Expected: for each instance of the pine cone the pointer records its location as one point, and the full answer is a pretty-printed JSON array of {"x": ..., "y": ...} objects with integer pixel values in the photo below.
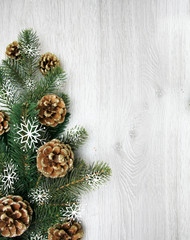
[
  {"x": 12, "y": 50},
  {"x": 55, "y": 159},
  {"x": 52, "y": 110},
  {"x": 15, "y": 216},
  {"x": 66, "y": 231},
  {"x": 48, "y": 61},
  {"x": 4, "y": 123}
]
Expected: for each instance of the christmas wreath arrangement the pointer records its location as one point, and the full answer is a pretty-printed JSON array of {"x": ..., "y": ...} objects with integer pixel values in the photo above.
[{"x": 41, "y": 177}]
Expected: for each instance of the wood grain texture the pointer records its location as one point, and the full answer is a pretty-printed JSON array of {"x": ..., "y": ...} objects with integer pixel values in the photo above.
[{"x": 128, "y": 65}]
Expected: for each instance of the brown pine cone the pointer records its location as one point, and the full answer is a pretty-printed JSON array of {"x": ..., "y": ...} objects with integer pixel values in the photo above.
[
  {"x": 15, "y": 216},
  {"x": 52, "y": 110},
  {"x": 48, "y": 61},
  {"x": 66, "y": 231},
  {"x": 12, "y": 50},
  {"x": 4, "y": 122},
  {"x": 55, "y": 159}
]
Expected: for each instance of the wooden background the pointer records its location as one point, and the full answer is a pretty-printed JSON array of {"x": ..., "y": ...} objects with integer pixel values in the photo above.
[{"x": 128, "y": 65}]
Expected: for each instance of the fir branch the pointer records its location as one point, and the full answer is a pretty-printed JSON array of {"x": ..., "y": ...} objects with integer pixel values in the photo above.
[
  {"x": 26, "y": 160},
  {"x": 47, "y": 215},
  {"x": 8, "y": 94},
  {"x": 66, "y": 100},
  {"x": 30, "y": 54},
  {"x": 10, "y": 83},
  {"x": 80, "y": 180},
  {"x": 57, "y": 131},
  {"x": 13, "y": 71},
  {"x": 75, "y": 137},
  {"x": 48, "y": 84},
  {"x": 2, "y": 75}
]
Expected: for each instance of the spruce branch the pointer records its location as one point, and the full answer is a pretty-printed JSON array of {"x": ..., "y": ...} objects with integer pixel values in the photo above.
[
  {"x": 75, "y": 137},
  {"x": 13, "y": 71},
  {"x": 30, "y": 54},
  {"x": 8, "y": 94},
  {"x": 66, "y": 100},
  {"x": 26, "y": 160},
  {"x": 81, "y": 179},
  {"x": 49, "y": 84},
  {"x": 57, "y": 132}
]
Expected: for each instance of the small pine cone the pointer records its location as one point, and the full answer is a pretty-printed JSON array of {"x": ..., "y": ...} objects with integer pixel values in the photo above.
[
  {"x": 4, "y": 122},
  {"x": 52, "y": 110},
  {"x": 15, "y": 216},
  {"x": 48, "y": 61},
  {"x": 66, "y": 231},
  {"x": 55, "y": 159},
  {"x": 12, "y": 50}
]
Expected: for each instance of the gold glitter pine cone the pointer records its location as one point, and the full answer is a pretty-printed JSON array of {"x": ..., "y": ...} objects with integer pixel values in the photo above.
[
  {"x": 12, "y": 50},
  {"x": 66, "y": 231},
  {"x": 15, "y": 216},
  {"x": 4, "y": 122},
  {"x": 48, "y": 61},
  {"x": 52, "y": 110},
  {"x": 55, "y": 159}
]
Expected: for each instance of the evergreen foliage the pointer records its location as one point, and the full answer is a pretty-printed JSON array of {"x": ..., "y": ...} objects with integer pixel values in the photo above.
[{"x": 26, "y": 135}]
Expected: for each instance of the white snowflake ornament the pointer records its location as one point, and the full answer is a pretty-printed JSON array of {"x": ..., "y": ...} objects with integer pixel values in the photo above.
[
  {"x": 31, "y": 50},
  {"x": 38, "y": 236},
  {"x": 39, "y": 195},
  {"x": 8, "y": 177},
  {"x": 30, "y": 84},
  {"x": 72, "y": 212},
  {"x": 29, "y": 133},
  {"x": 94, "y": 180}
]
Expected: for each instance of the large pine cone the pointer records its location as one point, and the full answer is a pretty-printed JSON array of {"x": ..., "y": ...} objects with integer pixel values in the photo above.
[
  {"x": 66, "y": 231},
  {"x": 48, "y": 61},
  {"x": 55, "y": 159},
  {"x": 4, "y": 122},
  {"x": 15, "y": 216},
  {"x": 12, "y": 50},
  {"x": 52, "y": 110}
]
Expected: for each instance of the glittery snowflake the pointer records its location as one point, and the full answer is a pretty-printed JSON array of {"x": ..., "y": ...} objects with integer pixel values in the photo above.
[
  {"x": 9, "y": 92},
  {"x": 30, "y": 84},
  {"x": 30, "y": 133},
  {"x": 30, "y": 50},
  {"x": 8, "y": 177},
  {"x": 37, "y": 236},
  {"x": 72, "y": 212},
  {"x": 94, "y": 180},
  {"x": 75, "y": 136},
  {"x": 39, "y": 195}
]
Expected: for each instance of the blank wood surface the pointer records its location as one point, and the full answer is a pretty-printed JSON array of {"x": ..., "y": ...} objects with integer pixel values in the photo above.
[{"x": 128, "y": 66}]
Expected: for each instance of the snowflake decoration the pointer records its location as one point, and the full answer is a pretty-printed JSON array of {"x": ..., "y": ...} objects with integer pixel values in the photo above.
[
  {"x": 38, "y": 236},
  {"x": 29, "y": 133},
  {"x": 9, "y": 91},
  {"x": 8, "y": 177},
  {"x": 94, "y": 179},
  {"x": 39, "y": 195},
  {"x": 71, "y": 212},
  {"x": 30, "y": 84},
  {"x": 74, "y": 134},
  {"x": 30, "y": 50}
]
